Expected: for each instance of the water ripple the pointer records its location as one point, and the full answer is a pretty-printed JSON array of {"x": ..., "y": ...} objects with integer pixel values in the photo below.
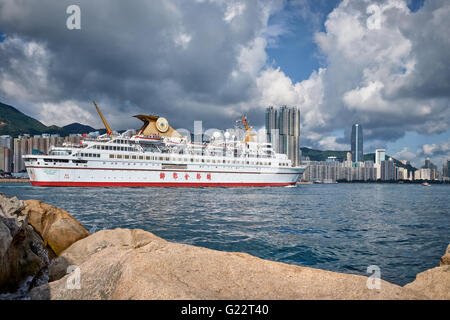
[{"x": 404, "y": 229}]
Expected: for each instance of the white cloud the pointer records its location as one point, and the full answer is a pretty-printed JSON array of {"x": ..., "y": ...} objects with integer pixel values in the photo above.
[
  {"x": 435, "y": 148},
  {"x": 375, "y": 53},
  {"x": 182, "y": 40},
  {"x": 233, "y": 10},
  {"x": 437, "y": 152},
  {"x": 404, "y": 154},
  {"x": 65, "y": 113}
]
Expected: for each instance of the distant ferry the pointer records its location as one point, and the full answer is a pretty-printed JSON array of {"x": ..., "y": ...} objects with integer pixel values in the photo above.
[{"x": 158, "y": 156}]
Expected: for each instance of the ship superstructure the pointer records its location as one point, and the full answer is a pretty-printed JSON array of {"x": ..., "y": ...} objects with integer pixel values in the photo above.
[{"x": 157, "y": 155}]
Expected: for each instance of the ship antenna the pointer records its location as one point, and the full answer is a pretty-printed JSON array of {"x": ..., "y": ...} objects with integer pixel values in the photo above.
[{"x": 108, "y": 128}]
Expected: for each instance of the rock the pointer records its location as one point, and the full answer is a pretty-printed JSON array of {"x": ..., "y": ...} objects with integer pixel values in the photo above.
[
  {"x": 445, "y": 260},
  {"x": 21, "y": 249},
  {"x": 57, "y": 227},
  {"x": 135, "y": 264},
  {"x": 80, "y": 251},
  {"x": 434, "y": 283}
]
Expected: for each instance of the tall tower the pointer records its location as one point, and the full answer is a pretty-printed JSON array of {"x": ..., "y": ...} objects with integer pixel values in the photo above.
[
  {"x": 380, "y": 155},
  {"x": 283, "y": 131},
  {"x": 272, "y": 127},
  {"x": 357, "y": 143}
]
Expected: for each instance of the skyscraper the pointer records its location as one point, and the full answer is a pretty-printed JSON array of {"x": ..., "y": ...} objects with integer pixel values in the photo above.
[
  {"x": 357, "y": 143},
  {"x": 388, "y": 172},
  {"x": 283, "y": 131},
  {"x": 380, "y": 155},
  {"x": 448, "y": 168}
]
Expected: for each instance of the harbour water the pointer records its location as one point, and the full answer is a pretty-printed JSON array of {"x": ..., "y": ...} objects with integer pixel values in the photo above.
[{"x": 403, "y": 229}]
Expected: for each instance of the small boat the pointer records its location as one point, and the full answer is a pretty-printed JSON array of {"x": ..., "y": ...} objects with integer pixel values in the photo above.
[{"x": 426, "y": 184}]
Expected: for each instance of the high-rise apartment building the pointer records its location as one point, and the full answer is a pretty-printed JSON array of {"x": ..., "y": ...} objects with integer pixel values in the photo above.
[
  {"x": 380, "y": 155},
  {"x": 5, "y": 159},
  {"x": 283, "y": 131},
  {"x": 388, "y": 170},
  {"x": 357, "y": 143}
]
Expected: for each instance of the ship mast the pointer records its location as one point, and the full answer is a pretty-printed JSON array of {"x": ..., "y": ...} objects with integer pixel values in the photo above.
[
  {"x": 108, "y": 128},
  {"x": 248, "y": 130}
]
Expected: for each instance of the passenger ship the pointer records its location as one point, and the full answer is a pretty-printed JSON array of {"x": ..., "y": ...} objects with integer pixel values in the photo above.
[{"x": 158, "y": 156}]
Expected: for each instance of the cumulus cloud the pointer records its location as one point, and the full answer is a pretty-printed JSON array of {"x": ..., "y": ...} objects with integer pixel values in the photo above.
[
  {"x": 383, "y": 65},
  {"x": 438, "y": 152},
  {"x": 404, "y": 154},
  {"x": 184, "y": 60},
  {"x": 386, "y": 68},
  {"x": 442, "y": 148}
]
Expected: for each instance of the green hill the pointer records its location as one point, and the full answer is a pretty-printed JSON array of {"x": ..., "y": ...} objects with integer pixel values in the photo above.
[{"x": 14, "y": 123}]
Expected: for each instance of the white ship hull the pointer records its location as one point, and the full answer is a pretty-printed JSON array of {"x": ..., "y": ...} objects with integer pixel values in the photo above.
[{"x": 152, "y": 175}]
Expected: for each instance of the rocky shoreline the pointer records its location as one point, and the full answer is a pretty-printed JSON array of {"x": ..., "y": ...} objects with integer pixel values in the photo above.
[{"x": 47, "y": 254}]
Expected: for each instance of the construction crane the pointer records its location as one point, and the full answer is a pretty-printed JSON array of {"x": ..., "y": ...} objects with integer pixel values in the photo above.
[
  {"x": 248, "y": 130},
  {"x": 107, "y": 127}
]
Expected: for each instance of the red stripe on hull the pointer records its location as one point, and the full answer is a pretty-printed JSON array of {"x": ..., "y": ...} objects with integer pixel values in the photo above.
[{"x": 153, "y": 184}]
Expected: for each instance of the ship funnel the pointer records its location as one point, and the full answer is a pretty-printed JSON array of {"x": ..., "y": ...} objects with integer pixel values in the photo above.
[{"x": 154, "y": 125}]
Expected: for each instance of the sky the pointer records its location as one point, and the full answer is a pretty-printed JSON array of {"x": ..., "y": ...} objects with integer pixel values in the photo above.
[{"x": 381, "y": 63}]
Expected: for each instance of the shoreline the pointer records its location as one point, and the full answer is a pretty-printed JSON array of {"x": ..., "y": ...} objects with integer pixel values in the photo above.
[{"x": 19, "y": 180}]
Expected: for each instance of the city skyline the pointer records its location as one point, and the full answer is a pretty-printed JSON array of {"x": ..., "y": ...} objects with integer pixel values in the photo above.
[{"x": 247, "y": 56}]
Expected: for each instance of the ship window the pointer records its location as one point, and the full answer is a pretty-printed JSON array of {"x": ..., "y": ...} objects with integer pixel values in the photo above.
[
  {"x": 167, "y": 158},
  {"x": 147, "y": 158},
  {"x": 119, "y": 156},
  {"x": 127, "y": 157},
  {"x": 192, "y": 160},
  {"x": 111, "y": 156},
  {"x": 133, "y": 157}
]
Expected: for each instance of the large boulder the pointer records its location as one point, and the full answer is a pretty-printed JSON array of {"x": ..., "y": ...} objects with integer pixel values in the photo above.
[
  {"x": 80, "y": 251},
  {"x": 22, "y": 256},
  {"x": 57, "y": 228},
  {"x": 434, "y": 283},
  {"x": 135, "y": 264}
]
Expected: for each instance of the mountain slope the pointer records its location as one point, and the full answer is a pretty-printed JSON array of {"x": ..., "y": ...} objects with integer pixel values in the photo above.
[
  {"x": 77, "y": 128},
  {"x": 13, "y": 122}
]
